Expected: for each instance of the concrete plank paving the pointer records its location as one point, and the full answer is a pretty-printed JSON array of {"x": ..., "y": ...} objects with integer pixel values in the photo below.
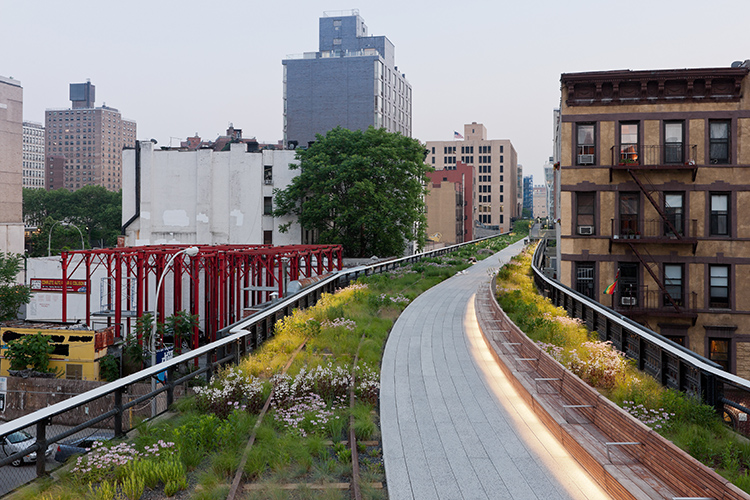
[{"x": 453, "y": 426}]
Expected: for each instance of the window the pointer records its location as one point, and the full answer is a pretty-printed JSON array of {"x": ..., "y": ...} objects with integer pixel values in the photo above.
[
  {"x": 585, "y": 145},
  {"x": 718, "y": 352},
  {"x": 73, "y": 372},
  {"x": 268, "y": 174},
  {"x": 673, "y": 284},
  {"x": 627, "y": 284},
  {"x": 629, "y": 203},
  {"x": 268, "y": 237},
  {"x": 585, "y": 278},
  {"x": 267, "y": 205},
  {"x": 673, "y": 209},
  {"x": 628, "y": 143},
  {"x": 718, "y": 149},
  {"x": 719, "y": 286},
  {"x": 719, "y": 223},
  {"x": 585, "y": 213},
  {"x": 673, "y": 142}
]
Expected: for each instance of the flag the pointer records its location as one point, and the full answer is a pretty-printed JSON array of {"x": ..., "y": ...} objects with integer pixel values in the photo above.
[
  {"x": 611, "y": 288},
  {"x": 456, "y": 135}
]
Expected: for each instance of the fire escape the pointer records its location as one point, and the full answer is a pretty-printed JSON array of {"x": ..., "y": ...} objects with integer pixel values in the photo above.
[{"x": 667, "y": 230}]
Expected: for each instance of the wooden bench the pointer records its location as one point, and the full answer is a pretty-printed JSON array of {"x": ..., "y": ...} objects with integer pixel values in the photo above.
[{"x": 627, "y": 458}]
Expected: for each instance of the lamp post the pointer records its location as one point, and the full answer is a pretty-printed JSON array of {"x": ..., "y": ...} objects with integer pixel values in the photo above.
[
  {"x": 49, "y": 237},
  {"x": 190, "y": 252}
]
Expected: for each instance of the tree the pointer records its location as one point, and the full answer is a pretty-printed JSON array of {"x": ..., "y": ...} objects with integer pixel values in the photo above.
[
  {"x": 93, "y": 209},
  {"x": 12, "y": 295},
  {"x": 30, "y": 351},
  {"x": 363, "y": 190}
]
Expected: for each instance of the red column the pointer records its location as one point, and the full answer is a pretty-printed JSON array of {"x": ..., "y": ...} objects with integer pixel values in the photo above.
[{"x": 64, "y": 256}]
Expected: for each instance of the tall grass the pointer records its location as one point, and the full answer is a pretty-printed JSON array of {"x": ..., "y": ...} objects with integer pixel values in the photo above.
[{"x": 686, "y": 421}]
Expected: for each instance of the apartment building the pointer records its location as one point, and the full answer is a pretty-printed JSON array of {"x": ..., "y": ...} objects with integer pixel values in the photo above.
[
  {"x": 496, "y": 192},
  {"x": 654, "y": 176},
  {"x": 352, "y": 81},
  {"x": 91, "y": 140},
  {"x": 33, "y": 155}
]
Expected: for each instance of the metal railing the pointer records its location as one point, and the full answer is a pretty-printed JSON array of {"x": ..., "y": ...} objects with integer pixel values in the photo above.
[
  {"x": 673, "y": 155},
  {"x": 671, "y": 364},
  {"x": 117, "y": 406},
  {"x": 624, "y": 228}
]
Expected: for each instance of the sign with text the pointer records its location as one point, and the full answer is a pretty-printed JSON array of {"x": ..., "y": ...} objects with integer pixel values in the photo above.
[{"x": 56, "y": 285}]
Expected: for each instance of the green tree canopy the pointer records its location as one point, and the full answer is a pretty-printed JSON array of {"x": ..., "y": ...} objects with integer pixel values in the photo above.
[
  {"x": 94, "y": 210},
  {"x": 363, "y": 190},
  {"x": 12, "y": 294}
]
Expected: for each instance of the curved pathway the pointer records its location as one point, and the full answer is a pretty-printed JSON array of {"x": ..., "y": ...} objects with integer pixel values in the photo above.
[{"x": 453, "y": 426}]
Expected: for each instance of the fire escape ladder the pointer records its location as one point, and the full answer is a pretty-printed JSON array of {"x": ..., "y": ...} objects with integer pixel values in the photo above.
[
  {"x": 655, "y": 204},
  {"x": 653, "y": 275}
]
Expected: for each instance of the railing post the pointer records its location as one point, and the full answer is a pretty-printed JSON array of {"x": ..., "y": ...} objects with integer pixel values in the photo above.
[
  {"x": 210, "y": 365},
  {"x": 41, "y": 441},
  {"x": 170, "y": 386},
  {"x": 118, "y": 415}
]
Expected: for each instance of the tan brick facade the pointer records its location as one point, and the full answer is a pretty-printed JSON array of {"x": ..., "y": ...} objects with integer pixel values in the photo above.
[{"x": 655, "y": 181}]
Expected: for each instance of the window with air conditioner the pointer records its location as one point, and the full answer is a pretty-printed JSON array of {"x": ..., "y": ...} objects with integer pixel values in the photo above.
[
  {"x": 627, "y": 284},
  {"x": 585, "y": 144},
  {"x": 585, "y": 207}
]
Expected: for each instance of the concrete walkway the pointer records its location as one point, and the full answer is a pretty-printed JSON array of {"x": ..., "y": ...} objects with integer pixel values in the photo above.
[{"x": 453, "y": 427}]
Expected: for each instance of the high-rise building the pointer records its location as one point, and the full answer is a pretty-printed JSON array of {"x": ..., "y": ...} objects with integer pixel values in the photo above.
[
  {"x": 11, "y": 161},
  {"x": 351, "y": 81},
  {"x": 528, "y": 194},
  {"x": 654, "y": 179},
  {"x": 33, "y": 155},
  {"x": 91, "y": 140},
  {"x": 495, "y": 175}
]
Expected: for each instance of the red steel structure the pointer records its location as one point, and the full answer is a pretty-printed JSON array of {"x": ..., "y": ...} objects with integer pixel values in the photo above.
[{"x": 231, "y": 280}]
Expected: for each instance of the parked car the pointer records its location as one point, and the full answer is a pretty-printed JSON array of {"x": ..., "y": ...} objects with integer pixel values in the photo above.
[
  {"x": 77, "y": 446},
  {"x": 18, "y": 441}
]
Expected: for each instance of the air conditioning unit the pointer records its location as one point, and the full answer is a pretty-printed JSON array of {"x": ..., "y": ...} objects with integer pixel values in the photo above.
[
  {"x": 628, "y": 301},
  {"x": 585, "y": 159},
  {"x": 585, "y": 230}
]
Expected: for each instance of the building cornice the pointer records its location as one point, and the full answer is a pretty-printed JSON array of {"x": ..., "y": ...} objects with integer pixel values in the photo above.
[{"x": 657, "y": 86}]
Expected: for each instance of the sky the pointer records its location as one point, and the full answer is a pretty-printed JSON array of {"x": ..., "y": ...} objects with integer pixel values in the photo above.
[{"x": 183, "y": 67}]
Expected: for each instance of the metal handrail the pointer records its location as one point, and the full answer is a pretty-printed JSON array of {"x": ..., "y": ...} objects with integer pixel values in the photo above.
[
  {"x": 713, "y": 372},
  {"x": 235, "y": 333}
]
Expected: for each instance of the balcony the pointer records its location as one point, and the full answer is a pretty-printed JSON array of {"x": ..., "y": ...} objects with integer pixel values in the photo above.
[
  {"x": 655, "y": 157},
  {"x": 627, "y": 230},
  {"x": 645, "y": 302}
]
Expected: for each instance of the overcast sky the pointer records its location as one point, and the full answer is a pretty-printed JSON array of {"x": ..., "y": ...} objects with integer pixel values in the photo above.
[{"x": 187, "y": 66}]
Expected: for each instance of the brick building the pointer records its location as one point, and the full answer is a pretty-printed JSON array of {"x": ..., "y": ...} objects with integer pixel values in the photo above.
[
  {"x": 496, "y": 196},
  {"x": 655, "y": 173},
  {"x": 90, "y": 139}
]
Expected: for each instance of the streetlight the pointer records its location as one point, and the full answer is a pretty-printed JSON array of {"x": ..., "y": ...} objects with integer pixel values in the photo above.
[
  {"x": 190, "y": 252},
  {"x": 49, "y": 238}
]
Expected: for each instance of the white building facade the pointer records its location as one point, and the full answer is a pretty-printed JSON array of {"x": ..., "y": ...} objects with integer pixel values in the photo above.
[
  {"x": 205, "y": 197},
  {"x": 33, "y": 155}
]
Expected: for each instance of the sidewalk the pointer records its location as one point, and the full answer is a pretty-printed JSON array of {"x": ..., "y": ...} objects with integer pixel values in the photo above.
[{"x": 453, "y": 427}]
